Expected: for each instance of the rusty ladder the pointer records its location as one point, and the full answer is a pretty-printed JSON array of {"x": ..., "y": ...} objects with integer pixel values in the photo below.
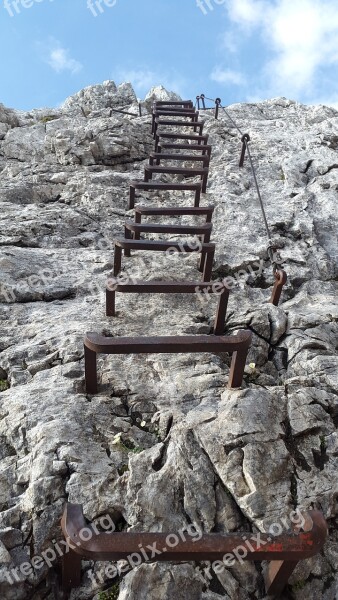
[
  {"x": 132, "y": 240},
  {"x": 285, "y": 550}
]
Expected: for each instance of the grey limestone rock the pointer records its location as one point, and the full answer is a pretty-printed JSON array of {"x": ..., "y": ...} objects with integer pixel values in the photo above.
[{"x": 165, "y": 444}]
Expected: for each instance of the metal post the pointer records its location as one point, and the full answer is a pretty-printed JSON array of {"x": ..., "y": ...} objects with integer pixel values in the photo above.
[
  {"x": 281, "y": 279},
  {"x": 117, "y": 260},
  {"x": 71, "y": 571},
  {"x": 208, "y": 265},
  {"x": 131, "y": 197},
  {"x": 90, "y": 371},
  {"x": 110, "y": 302},
  {"x": 221, "y": 312},
  {"x": 217, "y": 103},
  {"x": 239, "y": 360},
  {"x": 245, "y": 140}
]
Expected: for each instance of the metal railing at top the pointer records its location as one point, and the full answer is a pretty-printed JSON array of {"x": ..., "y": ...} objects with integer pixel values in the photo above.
[
  {"x": 123, "y": 112},
  {"x": 245, "y": 139}
]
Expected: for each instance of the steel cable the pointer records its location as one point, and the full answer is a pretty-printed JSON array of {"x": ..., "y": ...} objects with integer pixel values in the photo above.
[{"x": 245, "y": 141}]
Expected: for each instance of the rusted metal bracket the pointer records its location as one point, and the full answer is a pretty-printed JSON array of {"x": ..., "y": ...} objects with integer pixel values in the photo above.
[
  {"x": 170, "y": 111},
  {"x": 123, "y": 112},
  {"x": 284, "y": 551},
  {"x": 200, "y": 99},
  {"x": 237, "y": 345},
  {"x": 218, "y": 102},
  {"x": 183, "y": 103},
  {"x": 205, "y": 148},
  {"x": 159, "y": 156},
  {"x": 196, "y": 125},
  {"x": 186, "y": 172},
  {"x": 158, "y": 185},
  {"x": 178, "y": 135},
  {"x": 160, "y": 287},
  {"x": 133, "y": 231},
  {"x": 137, "y": 228},
  {"x": 207, "y": 250},
  {"x": 187, "y": 112},
  {"x": 172, "y": 211},
  {"x": 281, "y": 279},
  {"x": 201, "y": 140},
  {"x": 245, "y": 140}
]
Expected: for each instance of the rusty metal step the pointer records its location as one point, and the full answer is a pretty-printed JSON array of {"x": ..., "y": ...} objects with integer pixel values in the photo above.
[
  {"x": 159, "y": 156},
  {"x": 183, "y": 287},
  {"x": 203, "y": 173},
  {"x": 182, "y": 136},
  {"x": 284, "y": 551},
  {"x": 172, "y": 211},
  {"x": 237, "y": 345},
  {"x": 169, "y": 112},
  {"x": 157, "y": 113},
  {"x": 196, "y": 125},
  {"x": 138, "y": 228},
  {"x": 206, "y": 250},
  {"x": 133, "y": 231},
  {"x": 161, "y": 186},
  {"x": 186, "y": 103},
  {"x": 200, "y": 139},
  {"x": 205, "y": 148}
]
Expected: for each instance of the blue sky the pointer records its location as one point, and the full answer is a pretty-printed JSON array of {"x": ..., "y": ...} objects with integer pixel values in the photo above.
[{"x": 240, "y": 50}]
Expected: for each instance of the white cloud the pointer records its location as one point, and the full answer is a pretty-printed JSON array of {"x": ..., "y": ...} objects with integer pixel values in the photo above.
[
  {"x": 301, "y": 36},
  {"x": 230, "y": 42},
  {"x": 57, "y": 57},
  {"x": 60, "y": 60},
  {"x": 304, "y": 36},
  {"x": 227, "y": 76},
  {"x": 246, "y": 12}
]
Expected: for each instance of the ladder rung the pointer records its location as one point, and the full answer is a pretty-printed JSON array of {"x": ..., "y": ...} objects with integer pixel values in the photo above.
[
  {"x": 204, "y": 147},
  {"x": 177, "y": 229},
  {"x": 164, "y": 186},
  {"x": 199, "y": 124},
  {"x": 188, "y": 157},
  {"x": 162, "y": 245},
  {"x": 176, "y": 170},
  {"x": 173, "y": 103},
  {"x": 172, "y": 210}
]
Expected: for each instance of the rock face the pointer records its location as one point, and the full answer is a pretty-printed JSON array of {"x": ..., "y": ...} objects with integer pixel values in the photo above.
[{"x": 189, "y": 450}]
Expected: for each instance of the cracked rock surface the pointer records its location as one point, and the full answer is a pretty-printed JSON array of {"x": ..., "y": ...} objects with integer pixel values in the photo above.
[{"x": 165, "y": 444}]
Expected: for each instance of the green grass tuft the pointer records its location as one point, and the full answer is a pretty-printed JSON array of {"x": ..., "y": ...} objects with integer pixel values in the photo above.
[
  {"x": 111, "y": 594},
  {"x": 4, "y": 385},
  {"x": 48, "y": 118},
  {"x": 300, "y": 585}
]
